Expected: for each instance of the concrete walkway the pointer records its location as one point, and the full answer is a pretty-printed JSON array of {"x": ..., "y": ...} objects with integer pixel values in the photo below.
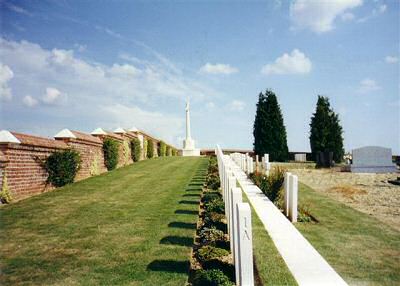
[{"x": 304, "y": 262}]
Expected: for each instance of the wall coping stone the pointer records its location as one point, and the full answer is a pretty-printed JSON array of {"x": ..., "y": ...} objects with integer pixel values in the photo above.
[
  {"x": 65, "y": 133},
  {"x": 39, "y": 141},
  {"x": 7, "y": 137},
  {"x": 98, "y": 131}
]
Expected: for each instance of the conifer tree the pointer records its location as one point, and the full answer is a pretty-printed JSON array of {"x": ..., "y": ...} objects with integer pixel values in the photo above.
[
  {"x": 326, "y": 133},
  {"x": 269, "y": 130}
]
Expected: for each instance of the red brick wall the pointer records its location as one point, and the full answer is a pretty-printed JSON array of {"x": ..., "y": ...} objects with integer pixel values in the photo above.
[
  {"x": 23, "y": 166},
  {"x": 23, "y": 162}
]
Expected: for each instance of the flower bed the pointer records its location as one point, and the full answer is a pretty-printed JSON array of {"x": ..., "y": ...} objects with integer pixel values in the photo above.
[
  {"x": 211, "y": 262},
  {"x": 272, "y": 187}
]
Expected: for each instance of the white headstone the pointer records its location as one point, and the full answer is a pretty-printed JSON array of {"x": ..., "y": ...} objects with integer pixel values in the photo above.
[
  {"x": 228, "y": 210},
  {"x": 293, "y": 193},
  {"x": 236, "y": 194},
  {"x": 256, "y": 163},
  {"x": 245, "y": 245},
  {"x": 286, "y": 193},
  {"x": 300, "y": 157},
  {"x": 267, "y": 168}
]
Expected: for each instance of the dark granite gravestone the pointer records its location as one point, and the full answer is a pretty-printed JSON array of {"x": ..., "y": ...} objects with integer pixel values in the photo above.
[
  {"x": 372, "y": 159},
  {"x": 325, "y": 159}
]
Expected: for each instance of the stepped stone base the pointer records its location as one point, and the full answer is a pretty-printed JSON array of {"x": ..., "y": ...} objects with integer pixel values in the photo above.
[{"x": 190, "y": 152}]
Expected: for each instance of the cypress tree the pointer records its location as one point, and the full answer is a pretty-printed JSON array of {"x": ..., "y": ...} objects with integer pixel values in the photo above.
[
  {"x": 326, "y": 133},
  {"x": 269, "y": 130}
]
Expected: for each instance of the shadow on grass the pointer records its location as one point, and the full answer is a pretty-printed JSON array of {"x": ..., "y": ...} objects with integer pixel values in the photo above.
[
  {"x": 193, "y": 189},
  {"x": 179, "y": 224},
  {"x": 186, "y": 202},
  {"x": 169, "y": 266},
  {"x": 196, "y": 184},
  {"x": 186, "y": 212},
  {"x": 177, "y": 240},
  {"x": 192, "y": 195}
]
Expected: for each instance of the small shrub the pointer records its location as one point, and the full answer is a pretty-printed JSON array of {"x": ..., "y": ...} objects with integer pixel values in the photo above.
[
  {"x": 62, "y": 167},
  {"x": 150, "y": 149},
  {"x": 136, "y": 150},
  {"x": 212, "y": 168},
  {"x": 213, "y": 182},
  {"x": 209, "y": 196},
  {"x": 216, "y": 205},
  {"x": 163, "y": 149},
  {"x": 208, "y": 253},
  {"x": 213, "y": 277},
  {"x": 94, "y": 166},
  {"x": 169, "y": 151},
  {"x": 5, "y": 195},
  {"x": 272, "y": 185},
  {"x": 174, "y": 152},
  {"x": 211, "y": 235},
  {"x": 304, "y": 214},
  {"x": 215, "y": 220},
  {"x": 127, "y": 152},
  {"x": 111, "y": 153},
  {"x": 145, "y": 147}
]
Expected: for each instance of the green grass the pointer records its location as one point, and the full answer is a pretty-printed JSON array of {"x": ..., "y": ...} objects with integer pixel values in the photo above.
[
  {"x": 131, "y": 226},
  {"x": 363, "y": 250},
  {"x": 271, "y": 267}
]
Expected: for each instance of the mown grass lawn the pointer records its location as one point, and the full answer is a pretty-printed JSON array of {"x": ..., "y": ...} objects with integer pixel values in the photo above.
[
  {"x": 271, "y": 267},
  {"x": 363, "y": 250},
  {"x": 131, "y": 226}
]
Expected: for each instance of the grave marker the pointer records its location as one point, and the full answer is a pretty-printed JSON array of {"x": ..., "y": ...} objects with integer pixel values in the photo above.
[
  {"x": 293, "y": 193},
  {"x": 372, "y": 159},
  {"x": 245, "y": 246},
  {"x": 236, "y": 197}
]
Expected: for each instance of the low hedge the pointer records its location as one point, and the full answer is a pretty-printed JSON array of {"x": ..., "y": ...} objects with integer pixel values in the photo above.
[
  {"x": 150, "y": 149},
  {"x": 216, "y": 205},
  {"x": 111, "y": 153},
  {"x": 136, "y": 150},
  {"x": 210, "y": 235},
  {"x": 208, "y": 253},
  {"x": 62, "y": 167},
  {"x": 209, "y": 196},
  {"x": 162, "y": 149},
  {"x": 215, "y": 220},
  {"x": 213, "y": 277}
]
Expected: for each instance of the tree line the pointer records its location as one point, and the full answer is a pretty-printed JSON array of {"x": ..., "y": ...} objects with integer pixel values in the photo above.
[{"x": 326, "y": 133}]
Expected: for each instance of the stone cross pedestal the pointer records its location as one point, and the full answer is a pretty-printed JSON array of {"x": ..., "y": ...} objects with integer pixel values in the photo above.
[{"x": 189, "y": 144}]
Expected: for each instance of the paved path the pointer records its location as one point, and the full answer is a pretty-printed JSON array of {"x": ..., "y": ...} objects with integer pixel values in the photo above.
[{"x": 307, "y": 266}]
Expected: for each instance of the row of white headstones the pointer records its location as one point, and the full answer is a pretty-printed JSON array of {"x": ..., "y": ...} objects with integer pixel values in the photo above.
[
  {"x": 290, "y": 183},
  {"x": 238, "y": 214}
]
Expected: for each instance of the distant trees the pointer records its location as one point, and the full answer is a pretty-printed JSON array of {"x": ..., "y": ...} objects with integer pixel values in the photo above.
[
  {"x": 326, "y": 133},
  {"x": 269, "y": 130}
]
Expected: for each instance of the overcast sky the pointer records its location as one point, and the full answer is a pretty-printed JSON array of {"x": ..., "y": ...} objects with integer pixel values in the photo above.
[{"x": 88, "y": 64}]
